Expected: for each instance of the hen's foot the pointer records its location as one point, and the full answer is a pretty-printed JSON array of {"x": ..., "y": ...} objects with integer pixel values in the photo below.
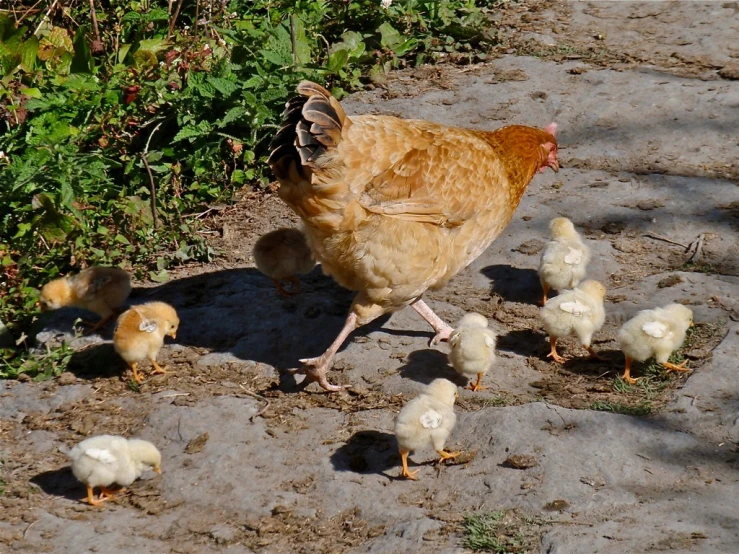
[
  {"x": 443, "y": 330},
  {"x": 315, "y": 370},
  {"x": 672, "y": 367}
]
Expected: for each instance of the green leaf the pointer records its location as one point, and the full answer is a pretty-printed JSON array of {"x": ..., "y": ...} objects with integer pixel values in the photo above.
[
  {"x": 338, "y": 60},
  {"x": 153, "y": 45},
  {"x": 160, "y": 277},
  {"x": 389, "y": 37},
  {"x": 234, "y": 114},
  {"x": 31, "y": 92},
  {"x": 28, "y": 54},
  {"x": 276, "y": 58},
  {"x": 82, "y": 60},
  {"x": 224, "y": 86}
]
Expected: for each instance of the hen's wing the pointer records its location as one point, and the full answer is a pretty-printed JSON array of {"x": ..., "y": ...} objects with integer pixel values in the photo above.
[{"x": 419, "y": 171}]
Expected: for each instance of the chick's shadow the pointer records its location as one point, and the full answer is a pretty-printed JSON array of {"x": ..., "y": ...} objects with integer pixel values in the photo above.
[
  {"x": 367, "y": 452},
  {"x": 61, "y": 483},
  {"x": 514, "y": 284},
  {"x": 426, "y": 365}
]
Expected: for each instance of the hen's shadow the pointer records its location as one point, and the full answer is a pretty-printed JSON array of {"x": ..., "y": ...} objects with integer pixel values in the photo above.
[
  {"x": 524, "y": 342},
  {"x": 514, "y": 284},
  {"x": 367, "y": 452},
  {"x": 60, "y": 482},
  {"x": 424, "y": 366}
]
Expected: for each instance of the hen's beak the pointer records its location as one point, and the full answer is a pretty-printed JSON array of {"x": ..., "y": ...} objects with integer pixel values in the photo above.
[{"x": 554, "y": 164}]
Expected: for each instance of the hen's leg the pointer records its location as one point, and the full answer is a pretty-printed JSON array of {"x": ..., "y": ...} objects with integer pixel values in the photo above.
[
  {"x": 443, "y": 331},
  {"x": 407, "y": 474},
  {"x": 627, "y": 373},
  {"x": 553, "y": 354},
  {"x": 315, "y": 369}
]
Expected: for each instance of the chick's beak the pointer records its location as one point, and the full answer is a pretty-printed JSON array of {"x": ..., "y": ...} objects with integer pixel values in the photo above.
[
  {"x": 157, "y": 469},
  {"x": 692, "y": 324},
  {"x": 173, "y": 334}
]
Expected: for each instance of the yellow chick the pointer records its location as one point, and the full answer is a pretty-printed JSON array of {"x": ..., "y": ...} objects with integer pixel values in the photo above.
[
  {"x": 565, "y": 258},
  {"x": 282, "y": 254},
  {"x": 472, "y": 348},
  {"x": 578, "y": 313},
  {"x": 101, "y": 290},
  {"x": 106, "y": 460},
  {"x": 427, "y": 419},
  {"x": 658, "y": 332},
  {"x": 140, "y": 333}
]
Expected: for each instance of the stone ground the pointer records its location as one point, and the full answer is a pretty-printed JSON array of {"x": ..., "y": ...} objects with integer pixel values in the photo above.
[{"x": 646, "y": 98}]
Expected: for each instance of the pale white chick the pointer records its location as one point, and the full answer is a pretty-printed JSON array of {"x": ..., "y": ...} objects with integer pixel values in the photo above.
[
  {"x": 139, "y": 334},
  {"x": 578, "y": 313},
  {"x": 427, "y": 419},
  {"x": 111, "y": 460},
  {"x": 564, "y": 260},
  {"x": 101, "y": 290},
  {"x": 658, "y": 332},
  {"x": 472, "y": 348},
  {"x": 282, "y": 254}
]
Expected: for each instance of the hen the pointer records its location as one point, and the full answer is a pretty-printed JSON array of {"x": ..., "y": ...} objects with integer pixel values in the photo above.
[{"x": 393, "y": 207}]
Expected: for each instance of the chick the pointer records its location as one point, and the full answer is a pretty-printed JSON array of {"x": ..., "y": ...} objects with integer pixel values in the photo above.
[
  {"x": 140, "y": 332},
  {"x": 428, "y": 418},
  {"x": 101, "y": 290},
  {"x": 473, "y": 348},
  {"x": 578, "y": 313},
  {"x": 565, "y": 258},
  {"x": 658, "y": 332},
  {"x": 106, "y": 460},
  {"x": 281, "y": 254}
]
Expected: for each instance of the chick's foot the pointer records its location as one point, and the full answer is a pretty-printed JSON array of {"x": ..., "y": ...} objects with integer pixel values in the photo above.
[
  {"x": 474, "y": 387},
  {"x": 672, "y": 367}
]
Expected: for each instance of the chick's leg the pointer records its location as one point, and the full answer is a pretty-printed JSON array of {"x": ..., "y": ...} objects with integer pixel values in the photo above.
[
  {"x": 91, "y": 500},
  {"x": 447, "y": 455},
  {"x": 673, "y": 367},
  {"x": 106, "y": 493},
  {"x": 627, "y": 372},
  {"x": 315, "y": 369},
  {"x": 594, "y": 355},
  {"x": 95, "y": 326},
  {"x": 405, "y": 473},
  {"x": 282, "y": 291},
  {"x": 553, "y": 353},
  {"x": 443, "y": 331},
  {"x": 136, "y": 375},
  {"x": 157, "y": 367},
  {"x": 476, "y": 386},
  {"x": 545, "y": 296}
]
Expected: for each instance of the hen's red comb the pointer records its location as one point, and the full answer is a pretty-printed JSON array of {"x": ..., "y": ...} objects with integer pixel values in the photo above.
[{"x": 551, "y": 128}]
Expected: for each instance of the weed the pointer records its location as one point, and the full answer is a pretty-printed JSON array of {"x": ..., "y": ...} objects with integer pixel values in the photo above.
[
  {"x": 501, "y": 532},
  {"x": 642, "y": 409}
]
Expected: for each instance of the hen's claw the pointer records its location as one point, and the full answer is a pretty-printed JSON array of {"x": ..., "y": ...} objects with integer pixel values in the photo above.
[
  {"x": 315, "y": 370},
  {"x": 442, "y": 335}
]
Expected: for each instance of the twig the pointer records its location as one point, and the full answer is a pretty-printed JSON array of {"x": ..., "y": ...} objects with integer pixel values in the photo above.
[
  {"x": 293, "y": 39},
  {"x": 43, "y": 19},
  {"x": 25, "y": 533},
  {"x": 153, "y": 190},
  {"x": 19, "y": 20},
  {"x": 169, "y": 7},
  {"x": 697, "y": 246},
  {"x": 197, "y": 16},
  {"x": 97, "y": 45},
  {"x": 174, "y": 394},
  {"x": 255, "y": 395},
  {"x": 173, "y": 20},
  {"x": 659, "y": 237}
]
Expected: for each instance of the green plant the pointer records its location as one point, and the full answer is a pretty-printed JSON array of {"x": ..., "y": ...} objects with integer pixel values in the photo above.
[
  {"x": 117, "y": 131},
  {"x": 52, "y": 363},
  {"x": 642, "y": 409},
  {"x": 500, "y": 532}
]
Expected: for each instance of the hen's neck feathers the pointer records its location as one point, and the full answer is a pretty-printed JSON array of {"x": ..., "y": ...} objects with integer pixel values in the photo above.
[{"x": 521, "y": 151}]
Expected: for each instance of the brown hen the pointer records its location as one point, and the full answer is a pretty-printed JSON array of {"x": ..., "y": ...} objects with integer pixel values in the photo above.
[{"x": 393, "y": 207}]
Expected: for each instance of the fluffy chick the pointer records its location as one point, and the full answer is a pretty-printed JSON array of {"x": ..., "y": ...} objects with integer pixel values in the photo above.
[
  {"x": 473, "y": 348},
  {"x": 140, "y": 333},
  {"x": 578, "y": 313},
  {"x": 658, "y": 332},
  {"x": 564, "y": 260},
  {"x": 282, "y": 254},
  {"x": 101, "y": 290},
  {"x": 106, "y": 460},
  {"x": 428, "y": 418}
]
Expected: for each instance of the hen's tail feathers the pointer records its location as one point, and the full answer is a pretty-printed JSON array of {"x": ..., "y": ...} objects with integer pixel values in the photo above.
[{"x": 312, "y": 123}]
